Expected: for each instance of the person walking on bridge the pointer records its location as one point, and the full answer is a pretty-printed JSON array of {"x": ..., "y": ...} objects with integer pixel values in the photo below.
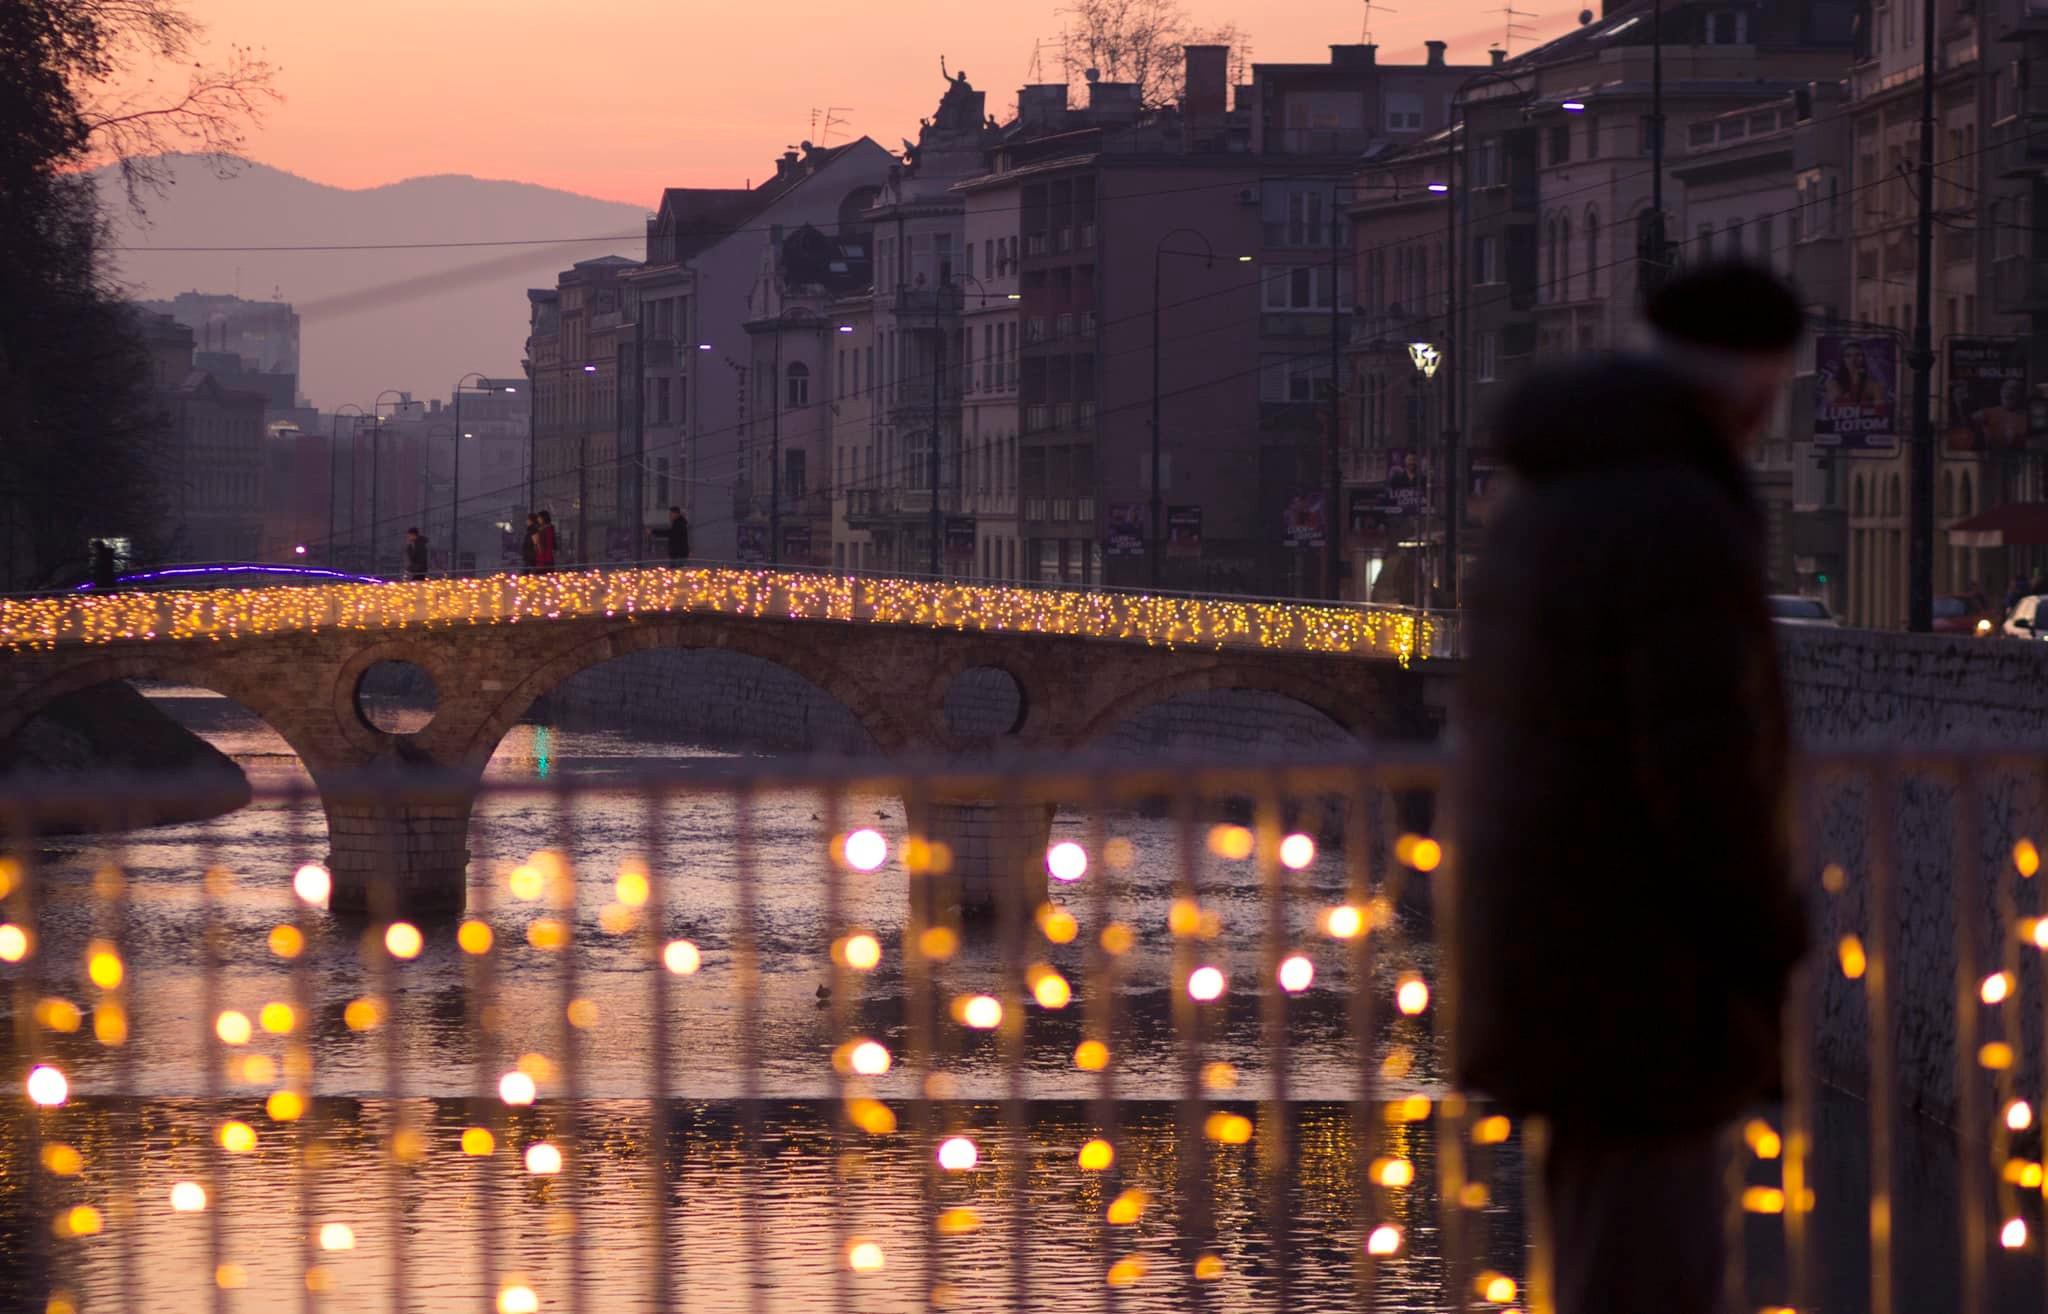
[
  {"x": 529, "y": 544},
  {"x": 544, "y": 545},
  {"x": 677, "y": 534},
  {"x": 415, "y": 554},
  {"x": 1624, "y": 923}
]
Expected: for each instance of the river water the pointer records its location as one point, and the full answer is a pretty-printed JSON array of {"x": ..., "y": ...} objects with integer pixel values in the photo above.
[
  {"x": 427, "y": 1048},
  {"x": 758, "y": 1217}
]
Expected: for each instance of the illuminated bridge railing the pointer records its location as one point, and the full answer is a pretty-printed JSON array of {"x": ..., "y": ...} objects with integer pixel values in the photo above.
[
  {"x": 1157, "y": 619},
  {"x": 721, "y": 1042}
]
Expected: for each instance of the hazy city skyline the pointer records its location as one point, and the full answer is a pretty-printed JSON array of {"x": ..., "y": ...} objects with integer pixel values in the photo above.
[{"x": 622, "y": 108}]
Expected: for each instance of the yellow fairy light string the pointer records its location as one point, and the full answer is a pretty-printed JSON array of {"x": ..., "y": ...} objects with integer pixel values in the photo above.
[{"x": 1182, "y": 622}]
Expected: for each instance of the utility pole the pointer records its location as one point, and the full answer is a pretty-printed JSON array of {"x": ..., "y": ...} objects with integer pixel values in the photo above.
[
  {"x": 938, "y": 354},
  {"x": 1652, "y": 250},
  {"x": 1920, "y": 484},
  {"x": 1333, "y": 478},
  {"x": 1454, "y": 486}
]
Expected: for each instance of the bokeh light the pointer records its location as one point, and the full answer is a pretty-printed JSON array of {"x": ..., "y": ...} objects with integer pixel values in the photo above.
[
  {"x": 312, "y": 884},
  {"x": 957, "y": 1154},
  {"x": 1050, "y": 989},
  {"x": 47, "y": 1086},
  {"x": 1231, "y": 843},
  {"x": 1227, "y": 1128},
  {"x": 232, "y": 1027},
  {"x": 1297, "y": 851},
  {"x": 236, "y": 1137},
  {"x": 1393, "y": 1174},
  {"x": 1995, "y": 988},
  {"x": 402, "y": 940},
  {"x": 543, "y": 1159},
  {"x": 1091, "y": 1056},
  {"x": 188, "y": 1197},
  {"x": 286, "y": 941},
  {"x": 516, "y": 1088},
  {"x": 1296, "y": 974},
  {"x": 1128, "y": 1207},
  {"x": 865, "y": 1257},
  {"x": 681, "y": 957},
  {"x": 62, "y": 1160},
  {"x": 1850, "y": 954},
  {"x": 518, "y": 1298},
  {"x": 1763, "y": 1141},
  {"x": 1066, "y": 861},
  {"x": 981, "y": 1012},
  {"x": 1057, "y": 924},
  {"x": 285, "y": 1106},
  {"x": 277, "y": 1018},
  {"x": 866, "y": 850},
  {"x": 337, "y": 1236},
  {"x": 868, "y": 1058},
  {"x": 1344, "y": 922},
  {"x": 474, "y": 937},
  {"x": 2019, "y": 1115},
  {"x": 1383, "y": 1241},
  {"x": 1411, "y": 996},
  {"x": 13, "y": 943},
  {"x": 1206, "y": 984},
  {"x": 103, "y": 965},
  {"x": 861, "y": 951},
  {"x": 2013, "y": 1236},
  {"x": 478, "y": 1143},
  {"x": 1096, "y": 1155},
  {"x": 632, "y": 886}
]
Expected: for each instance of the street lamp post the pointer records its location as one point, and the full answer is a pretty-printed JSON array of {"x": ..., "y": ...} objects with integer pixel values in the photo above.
[
  {"x": 334, "y": 473},
  {"x": 936, "y": 520},
  {"x": 455, "y": 474},
  {"x": 1207, "y": 255},
  {"x": 376, "y": 454}
]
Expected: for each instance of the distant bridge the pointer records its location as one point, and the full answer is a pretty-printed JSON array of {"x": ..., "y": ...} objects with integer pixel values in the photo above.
[{"x": 888, "y": 649}]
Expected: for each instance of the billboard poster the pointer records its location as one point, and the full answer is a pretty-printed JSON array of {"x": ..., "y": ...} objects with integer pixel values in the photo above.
[
  {"x": 960, "y": 538},
  {"x": 752, "y": 542},
  {"x": 1856, "y": 394},
  {"x": 1125, "y": 536},
  {"x": 1303, "y": 525},
  {"x": 1184, "y": 531},
  {"x": 796, "y": 545},
  {"x": 1987, "y": 395},
  {"x": 1402, "y": 491}
]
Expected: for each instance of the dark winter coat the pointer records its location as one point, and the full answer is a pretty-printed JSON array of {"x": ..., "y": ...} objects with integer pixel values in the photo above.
[
  {"x": 1624, "y": 919},
  {"x": 678, "y": 536}
]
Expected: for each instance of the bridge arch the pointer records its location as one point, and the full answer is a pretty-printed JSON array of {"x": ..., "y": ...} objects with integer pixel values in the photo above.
[
  {"x": 261, "y": 697},
  {"x": 1346, "y": 712},
  {"x": 867, "y": 699}
]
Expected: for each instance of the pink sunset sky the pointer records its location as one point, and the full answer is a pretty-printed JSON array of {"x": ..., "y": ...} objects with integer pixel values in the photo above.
[{"x": 621, "y": 98}]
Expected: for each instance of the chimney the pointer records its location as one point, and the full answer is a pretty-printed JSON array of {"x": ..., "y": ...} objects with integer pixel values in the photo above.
[
  {"x": 1354, "y": 56},
  {"x": 1500, "y": 56},
  {"x": 1115, "y": 99},
  {"x": 1436, "y": 53},
  {"x": 1208, "y": 81},
  {"x": 1038, "y": 106},
  {"x": 786, "y": 166}
]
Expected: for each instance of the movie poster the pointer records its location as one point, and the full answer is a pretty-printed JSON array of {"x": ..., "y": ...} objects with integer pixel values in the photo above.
[
  {"x": 1987, "y": 395},
  {"x": 1125, "y": 536},
  {"x": 1856, "y": 394},
  {"x": 1303, "y": 524},
  {"x": 752, "y": 542},
  {"x": 1184, "y": 531},
  {"x": 960, "y": 538}
]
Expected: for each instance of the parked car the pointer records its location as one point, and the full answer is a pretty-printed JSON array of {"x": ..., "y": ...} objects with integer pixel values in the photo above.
[
  {"x": 1964, "y": 613},
  {"x": 2029, "y": 618},
  {"x": 1801, "y": 613}
]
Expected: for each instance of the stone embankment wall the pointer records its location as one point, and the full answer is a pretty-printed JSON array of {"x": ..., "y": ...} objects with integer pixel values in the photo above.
[
  {"x": 731, "y": 699},
  {"x": 1942, "y": 834}
]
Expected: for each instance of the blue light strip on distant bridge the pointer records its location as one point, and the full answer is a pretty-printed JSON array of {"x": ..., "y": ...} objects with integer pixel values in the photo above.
[{"x": 182, "y": 572}]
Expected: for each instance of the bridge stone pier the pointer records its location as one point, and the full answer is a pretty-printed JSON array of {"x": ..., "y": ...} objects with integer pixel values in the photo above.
[{"x": 1069, "y": 666}]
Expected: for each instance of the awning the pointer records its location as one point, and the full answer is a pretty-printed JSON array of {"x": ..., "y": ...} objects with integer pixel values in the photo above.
[{"x": 2016, "y": 524}]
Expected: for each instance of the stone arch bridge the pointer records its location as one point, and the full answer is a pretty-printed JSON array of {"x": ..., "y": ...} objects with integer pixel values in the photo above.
[{"x": 888, "y": 649}]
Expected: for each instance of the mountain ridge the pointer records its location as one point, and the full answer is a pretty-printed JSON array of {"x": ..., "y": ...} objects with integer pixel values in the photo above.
[{"x": 413, "y": 318}]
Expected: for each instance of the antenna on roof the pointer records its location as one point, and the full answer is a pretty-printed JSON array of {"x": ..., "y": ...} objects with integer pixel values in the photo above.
[
  {"x": 833, "y": 115},
  {"x": 1365, "y": 32},
  {"x": 1515, "y": 29}
]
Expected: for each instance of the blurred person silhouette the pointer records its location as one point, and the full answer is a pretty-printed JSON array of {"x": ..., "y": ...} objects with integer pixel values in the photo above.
[
  {"x": 529, "y": 544},
  {"x": 1624, "y": 923}
]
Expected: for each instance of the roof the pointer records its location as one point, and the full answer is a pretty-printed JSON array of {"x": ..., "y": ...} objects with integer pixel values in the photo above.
[
  {"x": 702, "y": 216},
  {"x": 2015, "y": 524}
]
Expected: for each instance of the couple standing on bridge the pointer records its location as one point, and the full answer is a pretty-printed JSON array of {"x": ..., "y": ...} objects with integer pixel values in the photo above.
[{"x": 1625, "y": 925}]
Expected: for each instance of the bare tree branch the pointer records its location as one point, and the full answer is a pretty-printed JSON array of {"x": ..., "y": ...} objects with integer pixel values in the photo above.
[{"x": 1139, "y": 41}]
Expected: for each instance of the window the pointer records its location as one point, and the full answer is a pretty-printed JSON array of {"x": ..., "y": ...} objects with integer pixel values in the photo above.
[
  {"x": 1299, "y": 214},
  {"x": 1763, "y": 241},
  {"x": 1404, "y": 112},
  {"x": 1488, "y": 354},
  {"x": 1730, "y": 27},
  {"x": 1592, "y": 136},
  {"x": 1735, "y": 239},
  {"x": 1592, "y": 253},
  {"x": 1705, "y": 249},
  {"x": 792, "y": 472},
  {"x": 1298, "y": 288},
  {"x": 1561, "y": 144},
  {"x": 661, "y": 401},
  {"x": 799, "y": 376},
  {"x": 1646, "y": 134},
  {"x": 1485, "y": 269}
]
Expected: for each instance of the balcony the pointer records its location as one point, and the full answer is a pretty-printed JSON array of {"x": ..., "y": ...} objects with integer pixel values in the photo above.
[
  {"x": 868, "y": 507},
  {"x": 2022, "y": 150},
  {"x": 2021, "y": 284},
  {"x": 946, "y": 299}
]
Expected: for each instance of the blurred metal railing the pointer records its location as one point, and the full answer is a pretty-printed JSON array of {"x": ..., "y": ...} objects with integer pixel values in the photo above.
[{"x": 727, "y": 1042}]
